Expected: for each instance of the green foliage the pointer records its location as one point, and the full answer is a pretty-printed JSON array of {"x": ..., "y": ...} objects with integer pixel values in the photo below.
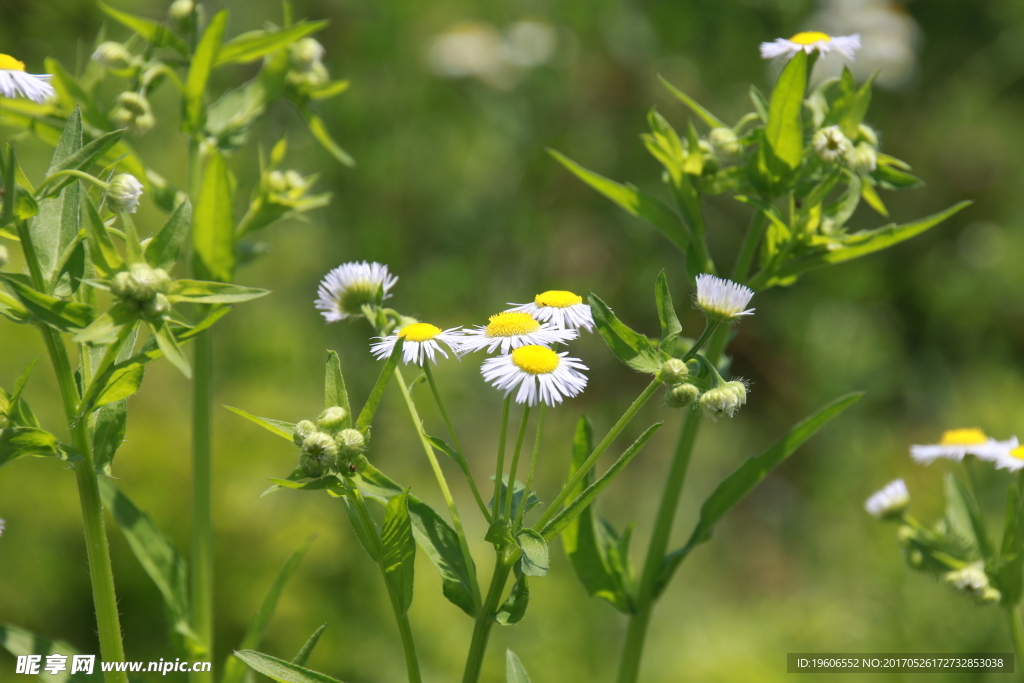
[
  {"x": 629, "y": 346},
  {"x": 280, "y": 670},
  {"x": 214, "y": 228},
  {"x": 515, "y": 672},
  {"x": 399, "y": 551}
]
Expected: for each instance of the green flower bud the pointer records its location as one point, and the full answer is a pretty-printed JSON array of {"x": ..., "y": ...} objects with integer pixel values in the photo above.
[
  {"x": 915, "y": 558},
  {"x": 157, "y": 307},
  {"x": 862, "y": 159},
  {"x": 723, "y": 400},
  {"x": 673, "y": 371},
  {"x": 318, "y": 454},
  {"x": 124, "y": 193},
  {"x": 332, "y": 419},
  {"x": 132, "y": 111},
  {"x": 306, "y": 54},
  {"x": 314, "y": 77},
  {"x": 830, "y": 144},
  {"x": 181, "y": 10},
  {"x": 303, "y": 429},
  {"x": 351, "y": 444},
  {"x": 145, "y": 282},
  {"x": 111, "y": 55},
  {"x": 121, "y": 283},
  {"x": 868, "y": 135},
  {"x": 681, "y": 395},
  {"x": 4, "y": 256},
  {"x": 725, "y": 142}
]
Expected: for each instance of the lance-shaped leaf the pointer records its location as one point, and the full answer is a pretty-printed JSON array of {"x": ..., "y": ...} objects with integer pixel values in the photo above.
[
  {"x": 784, "y": 132},
  {"x": 335, "y": 393},
  {"x": 234, "y": 670},
  {"x": 202, "y": 63},
  {"x": 105, "y": 256},
  {"x": 323, "y": 136},
  {"x": 965, "y": 520},
  {"x": 1010, "y": 568},
  {"x": 12, "y": 309},
  {"x": 56, "y": 226},
  {"x": 213, "y": 233},
  {"x": 254, "y": 45},
  {"x": 302, "y": 656},
  {"x": 81, "y": 160},
  {"x": 162, "y": 251},
  {"x": 201, "y": 292},
  {"x": 18, "y": 442},
  {"x": 515, "y": 672},
  {"x": 169, "y": 345},
  {"x": 20, "y": 642},
  {"x": 629, "y": 346},
  {"x": 105, "y": 328},
  {"x": 708, "y": 118},
  {"x": 377, "y": 393},
  {"x": 670, "y": 326},
  {"x": 286, "y": 430},
  {"x": 154, "y": 32},
  {"x": 513, "y": 609},
  {"x": 280, "y": 670},
  {"x": 741, "y": 482},
  {"x": 633, "y": 200},
  {"x": 399, "y": 551},
  {"x": 65, "y": 316}
]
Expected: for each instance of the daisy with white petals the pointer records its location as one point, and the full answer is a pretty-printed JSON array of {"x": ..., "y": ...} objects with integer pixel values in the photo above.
[
  {"x": 722, "y": 299},
  {"x": 345, "y": 290},
  {"x": 511, "y": 330},
  {"x": 956, "y": 443},
  {"x": 540, "y": 373},
  {"x": 890, "y": 502},
  {"x": 562, "y": 309},
  {"x": 422, "y": 341},
  {"x": 1011, "y": 457},
  {"x": 15, "y": 82},
  {"x": 811, "y": 41}
]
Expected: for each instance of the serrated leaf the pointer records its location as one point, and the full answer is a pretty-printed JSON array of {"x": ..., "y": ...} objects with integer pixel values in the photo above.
[
  {"x": 629, "y": 346},
  {"x": 280, "y": 670}
]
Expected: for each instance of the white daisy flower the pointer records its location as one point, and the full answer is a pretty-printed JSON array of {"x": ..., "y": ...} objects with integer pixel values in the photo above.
[
  {"x": 723, "y": 299},
  {"x": 1011, "y": 457},
  {"x": 511, "y": 330},
  {"x": 540, "y": 373},
  {"x": 346, "y": 289},
  {"x": 421, "y": 343},
  {"x": 562, "y": 309},
  {"x": 830, "y": 144},
  {"x": 956, "y": 443},
  {"x": 889, "y": 502},
  {"x": 811, "y": 41},
  {"x": 14, "y": 81}
]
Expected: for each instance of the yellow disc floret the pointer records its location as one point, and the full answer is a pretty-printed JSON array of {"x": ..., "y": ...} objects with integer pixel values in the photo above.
[
  {"x": 8, "y": 63},
  {"x": 557, "y": 299},
  {"x": 810, "y": 37},
  {"x": 511, "y": 324},
  {"x": 536, "y": 360},
  {"x": 419, "y": 332},
  {"x": 962, "y": 437},
  {"x": 1018, "y": 452}
]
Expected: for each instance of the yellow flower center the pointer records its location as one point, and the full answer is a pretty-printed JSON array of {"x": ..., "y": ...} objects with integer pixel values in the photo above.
[
  {"x": 809, "y": 37},
  {"x": 8, "y": 63},
  {"x": 419, "y": 332},
  {"x": 536, "y": 360},
  {"x": 511, "y": 324},
  {"x": 557, "y": 299},
  {"x": 1018, "y": 452},
  {"x": 962, "y": 437}
]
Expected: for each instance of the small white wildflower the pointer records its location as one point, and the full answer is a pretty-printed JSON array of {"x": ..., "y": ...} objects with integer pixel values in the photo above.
[
  {"x": 564, "y": 310},
  {"x": 956, "y": 443},
  {"x": 421, "y": 343},
  {"x": 511, "y": 330},
  {"x": 1009, "y": 456},
  {"x": 124, "y": 192},
  {"x": 890, "y": 501},
  {"x": 540, "y": 373},
  {"x": 830, "y": 144},
  {"x": 811, "y": 41},
  {"x": 723, "y": 299},
  {"x": 15, "y": 82},
  {"x": 973, "y": 581},
  {"x": 346, "y": 289}
]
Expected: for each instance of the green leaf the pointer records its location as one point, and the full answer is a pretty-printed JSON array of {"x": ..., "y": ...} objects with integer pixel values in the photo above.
[
  {"x": 741, "y": 482},
  {"x": 199, "y": 71},
  {"x": 121, "y": 384},
  {"x": 111, "y": 422},
  {"x": 335, "y": 393},
  {"x": 513, "y": 609},
  {"x": 629, "y": 346},
  {"x": 515, "y": 672},
  {"x": 708, "y": 118},
  {"x": 965, "y": 521},
  {"x": 368, "y": 411},
  {"x": 518, "y": 491},
  {"x": 254, "y": 45},
  {"x": 399, "y": 551},
  {"x": 201, "y": 292},
  {"x": 234, "y": 672},
  {"x": 280, "y": 670},
  {"x": 634, "y": 201},
  {"x": 536, "y": 557},
  {"x": 20, "y": 642},
  {"x": 849, "y": 109},
  {"x": 891, "y": 174},
  {"x": 162, "y": 251},
  {"x": 441, "y": 544},
  {"x": 670, "y": 326},
  {"x": 320, "y": 132},
  {"x": 169, "y": 346},
  {"x": 214, "y": 227},
  {"x": 81, "y": 160},
  {"x": 867, "y": 191},
  {"x": 867, "y": 242},
  {"x": 18, "y": 442},
  {"x": 784, "y": 131},
  {"x": 65, "y": 316},
  {"x": 307, "y": 648},
  {"x": 442, "y": 446},
  {"x": 365, "y": 529},
  {"x": 12, "y": 309},
  {"x": 154, "y": 32},
  {"x": 286, "y": 430},
  {"x": 105, "y": 256},
  {"x": 56, "y": 226},
  {"x": 105, "y": 328},
  {"x": 1010, "y": 569}
]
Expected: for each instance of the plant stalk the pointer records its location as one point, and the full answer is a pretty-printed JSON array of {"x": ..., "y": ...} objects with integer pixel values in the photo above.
[
  {"x": 514, "y": 467},
  {"x": 1016, "y": 632},
  {"x": 485, "y": 619}
]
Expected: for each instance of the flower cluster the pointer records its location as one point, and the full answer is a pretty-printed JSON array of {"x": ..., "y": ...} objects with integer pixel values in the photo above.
[{"x": 327, "y": 445}]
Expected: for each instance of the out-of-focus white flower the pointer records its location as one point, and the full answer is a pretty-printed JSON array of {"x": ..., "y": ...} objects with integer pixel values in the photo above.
[
  {"x": 421, "y": 343},
  {"x": 723, "y": 299},
  {"x": 811, "y": 41},
  {"x": 540, "y": 373},
  {"x": 511, "y": 330},
  {"x": 956, "y": 443},
  {"x": 15, "y": 82},
  {"x": 499, "y": 59},
  {"x": 345, "y": 290},
  {"x": 1010, "y": 457},
  {"x": 564, "y": 310},
  {"x": 890, "y": 501},
  {"x": 530, "y": 44}
]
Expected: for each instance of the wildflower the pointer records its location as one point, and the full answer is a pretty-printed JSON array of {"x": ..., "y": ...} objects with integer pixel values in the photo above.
[
  {"x": 345, "y": 290},
  {"x": 511, "y": 330},
  {"x": 332, "y": 419},
  {"x": 14, "y": 81},
  {"x": 811, "y": 41},
  {"x": 890, "y": 501},
  {"x": 132, "y": 111},
  {"x": 973, "y": 581},
  {"x": 724, "y": 400},
  {"x": 112, "y": 55},
  {"x": 862, "y": 159},
  {"x": 722, "y": 299},
  {"x": 830, "y": 144},
  {"x": 564, "y": 310},
  {"x": 673, "y": 371},
  {"x": 421, "y": 343},
  {"x": 124, "y": 192},
  {"x": 1010, "y": 457},
  {"x": 681, "y": 395},
  {"x": 540, "y": 373},
  {"x": 956, "y": 443},
  {"x": 724, "y": 142}
]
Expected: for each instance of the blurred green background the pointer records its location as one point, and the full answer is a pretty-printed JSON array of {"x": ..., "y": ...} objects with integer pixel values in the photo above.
[{"x": 451, "y": 107}]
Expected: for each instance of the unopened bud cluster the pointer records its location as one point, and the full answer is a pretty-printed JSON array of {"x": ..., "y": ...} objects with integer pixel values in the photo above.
[
  {"x": 327, "y": 446},
  {"x": 860, "y": 154},
  {"x": 112, "y": 55},
  {"x": 132, "y": 111},
  {"x": 725, "y": 142},
  {"x": 143, "y": 289},
  {"x": 308, "y": 69},
  {"x": 723, "y": 399}
]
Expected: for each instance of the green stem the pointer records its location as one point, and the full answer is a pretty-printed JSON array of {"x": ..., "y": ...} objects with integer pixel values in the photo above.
[
  {"x": 533, "y": 467},
  {"x": 500, "y": 467},
  {"x": 455, "y": 441},
  {"x": 629, "y": 665},
  {"x": 591, "y": 460},
  {"x": 510, "y": 487},
  {"x": 81, "y": 175},
  {"x": 710, "y": 328},
  {"x": 485, "y": 619},
  {"x": 748, "y": 249},
  {"x": 1016, "y": 632}
]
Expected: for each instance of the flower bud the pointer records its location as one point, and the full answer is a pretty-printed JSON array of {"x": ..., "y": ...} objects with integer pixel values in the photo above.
[
  {"x": 132, "y": 111},
  {"x": 318, "y": 454},
  {"x": 723, "y": 400},
  {"x": 830, "y": 144},
  {"x": 862, "y": 159},
  {"x": 303, "y": 429},
  {"x": 681, "y": 395},
  {"x": 157, "y": 307},
  {"x": 332, "y": 419},
  {"x": 725, "y": 142},
  {"x": 124, "y": 193},
  {"x": 111, "y": 55},
  {"x": 121, "y": 283},
  {"x": 972, "y": 581},
  {"x": 4, "y": 256},
  {"x": 146, "y": 282},
  {"x": 181, "y": 10},
  {"x": 306, "y": 54},
  {"x": 868, "y": 134},
  {"x": 673, "y": 371},
  {"x": 351, "y": 443},
  {"x": 890, "y": 502}
]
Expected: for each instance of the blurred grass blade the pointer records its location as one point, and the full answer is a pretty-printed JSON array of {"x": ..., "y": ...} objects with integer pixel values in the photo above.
[
  {"x": 154, "y": 32},
  {"x": 515, "y": 672},
  {"x": 280, "y": 670},
  {"x": 708, "y": 118},
  {"x": 370, "y": 409},
  {"x": 285, "y": 430},
  {"x": 201, "y": 292},
  {"x": 335, "y": 393},
  {"x": 323, "y": 136},
  {"x": 234, "y": 670}
]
